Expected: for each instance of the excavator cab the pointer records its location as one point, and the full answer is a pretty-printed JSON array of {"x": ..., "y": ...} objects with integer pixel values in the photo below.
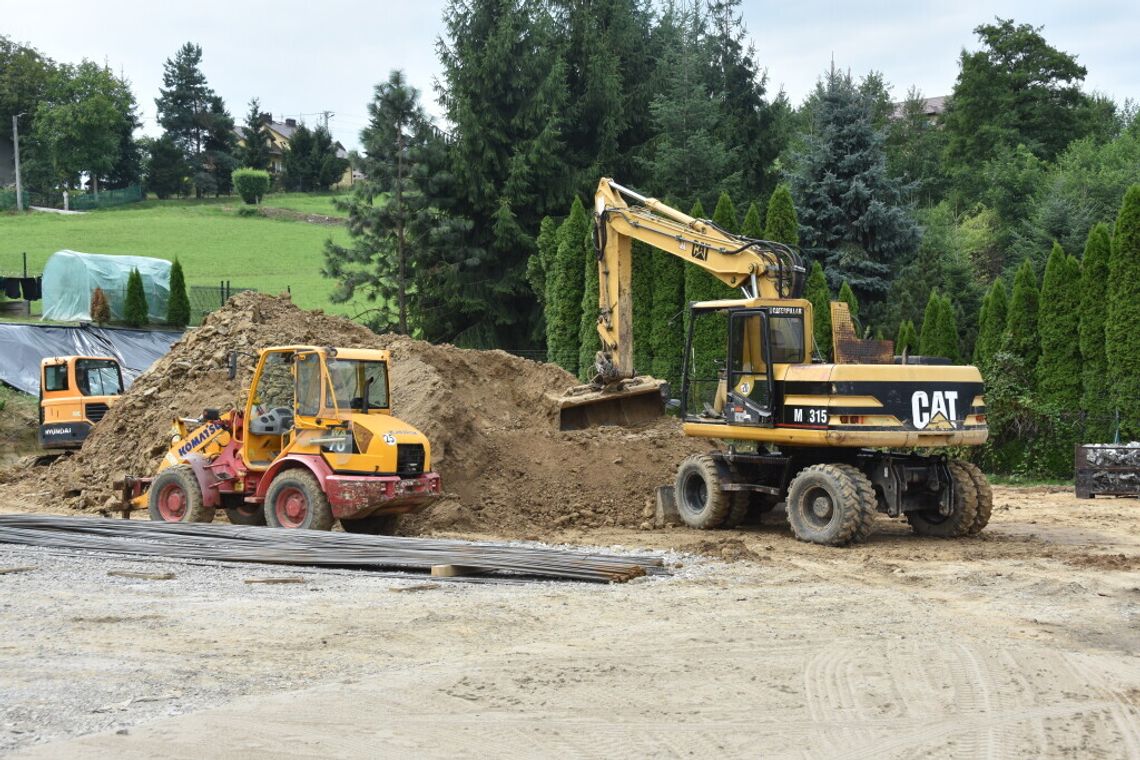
[{"x": 75, "y": 393}]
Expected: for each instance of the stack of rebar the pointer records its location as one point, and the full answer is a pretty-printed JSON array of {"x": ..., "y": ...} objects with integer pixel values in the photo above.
[{"x": 235, "y": 543}]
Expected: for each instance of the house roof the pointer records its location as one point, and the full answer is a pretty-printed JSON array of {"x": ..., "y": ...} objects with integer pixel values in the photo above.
[{"x": 930, "y": 107}]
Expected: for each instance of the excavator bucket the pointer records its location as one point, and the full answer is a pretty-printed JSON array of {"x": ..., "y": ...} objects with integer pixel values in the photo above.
[{"x": 630, "y": 402}]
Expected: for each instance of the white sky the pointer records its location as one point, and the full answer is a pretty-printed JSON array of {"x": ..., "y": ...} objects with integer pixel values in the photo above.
[{"x": 301, "y": 57}]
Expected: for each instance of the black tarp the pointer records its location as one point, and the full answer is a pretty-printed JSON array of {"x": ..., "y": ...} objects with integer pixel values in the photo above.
[{"x": 22, "y": 347}]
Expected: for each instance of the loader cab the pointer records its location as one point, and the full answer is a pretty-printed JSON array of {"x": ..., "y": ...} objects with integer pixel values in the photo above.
[
  {"x": 75, "y": 393},
  {"x": 762, "y": 340}
]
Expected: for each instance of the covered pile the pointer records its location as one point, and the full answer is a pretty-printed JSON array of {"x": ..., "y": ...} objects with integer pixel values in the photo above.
[{"x": 490, "y": 417}]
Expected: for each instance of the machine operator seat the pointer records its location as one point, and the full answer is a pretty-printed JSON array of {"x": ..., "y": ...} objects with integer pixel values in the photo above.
[{"x": 276, "y": 421}]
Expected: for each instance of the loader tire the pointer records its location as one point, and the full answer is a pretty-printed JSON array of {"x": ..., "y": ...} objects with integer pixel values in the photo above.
[
  {"x": 985, "y": 497},
  {"x": 176, "y": 496},
  {"x": 738, "y": 509},
  {"x": 295, "y": 500},
  {"x": 249, "y": 514},
  {"x": 825, "y": 506},
  {"x": 373, "y": 525},
  {"x": 700, "y": 501},
  {"x": 866, "y": 519},
  {"x": 961, "y": 518}
]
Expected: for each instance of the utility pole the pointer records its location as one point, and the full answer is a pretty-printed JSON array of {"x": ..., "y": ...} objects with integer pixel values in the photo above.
[{"x": 16, "y": 151}]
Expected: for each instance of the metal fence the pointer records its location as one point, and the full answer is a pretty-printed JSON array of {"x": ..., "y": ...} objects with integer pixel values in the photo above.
[
  {"x": 107, "y": 198},
  {"x": 8, "y": 200},
  {"x": 207, "y": 298}
]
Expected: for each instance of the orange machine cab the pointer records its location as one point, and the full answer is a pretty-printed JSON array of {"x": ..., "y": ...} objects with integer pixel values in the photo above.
[{"x": 75, "y": 393}]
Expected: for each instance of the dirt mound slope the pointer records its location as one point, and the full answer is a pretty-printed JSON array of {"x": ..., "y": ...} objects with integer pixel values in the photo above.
[{"x": 490, "y": 417}]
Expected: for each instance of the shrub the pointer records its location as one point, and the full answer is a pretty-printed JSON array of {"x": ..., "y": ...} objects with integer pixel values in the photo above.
[
  {"x": 178, "y": 306},
  {"x": 251, "y": 184},
  {"x": 136, "y": 313},
  {"x": 100, "y": 308}
]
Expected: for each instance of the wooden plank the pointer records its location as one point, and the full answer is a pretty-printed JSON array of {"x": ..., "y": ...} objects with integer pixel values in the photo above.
[
  {"x": 24, "y": 569},
  {"x": 141, "y": 576},
  {"x": 451, "y": 571},
  {"x": 286, "y": 579}
]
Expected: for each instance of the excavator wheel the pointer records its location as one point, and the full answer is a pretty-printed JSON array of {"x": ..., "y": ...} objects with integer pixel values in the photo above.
[
  {"x": 248, "y": 514},
  {"x": 295, "y": 500},
  {"x": 176, "y": 496},
  {"x": 985, "y": 497},
  {"x": 862, "y": 483},
  {"x": 373, "y": 525},
  {"x": 826, "y": 505},
  {"x": 700, "y": 501},
  {"x": 961, "y": 518}
]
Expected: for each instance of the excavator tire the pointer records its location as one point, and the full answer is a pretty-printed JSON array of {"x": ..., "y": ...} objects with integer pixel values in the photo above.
[
  {"x": 176, "y": 496},
  {"x": 985, "y": 497},
  {"x": 700, "y": 501},
  {"x": 249, "y": 514},
  {"x": 373, "y": 525},
  {"x": 960, "y": 520},
  {"x": 866, "y": 522},
  {"x": 738, "y": 509},
  {"x": 825, "y": 506},
  {"x": 295, "y": 500}
]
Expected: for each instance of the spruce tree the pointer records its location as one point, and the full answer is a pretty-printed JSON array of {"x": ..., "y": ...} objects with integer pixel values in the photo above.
[
  {"x": 542, "y": 260},
  {"x": 751, "y": 227},
  {"x": 949, "y": 339},
  {"x": 254, "y": 152},
  {"x": 178, "y": 305},
  {"x": 1059, "y": 369},
  {"x": 1095, "y": 402},
  {"x": 847, "y": 296},
  {"x": 781, "y": 223},
  {"x": 817, "y": 292},
  {"x": 564, "y": 297},
  {"x": 1020, "y": 338},
  {"x": 991, "y": 324},
  {"x": 930, "y": 337},
  {"x": 1121, "y": 334},
  {"x": 641, "y": 287},
  {"x": 709, "y": 334},
  {"x": 588, "y": 341},
  {"x": 907, "y": 339},
  {"x": 136, "y": 313}
]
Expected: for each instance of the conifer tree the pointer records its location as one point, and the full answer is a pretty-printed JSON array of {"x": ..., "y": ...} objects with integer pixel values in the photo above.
[
  {"x": 641, "y": 290},
  {"x": 1059, "y": 369},
  {"x": 254, "y": 152},
  {"x": 949, "y": 338},
  {"x": 1121, "y": 334},
  {"x": 847, "y": 296},
  {"x": 816, "y": 291},
  {"x": 1095, "y": 402},
  {"x": 930, "y": 337},
  {"x": 588, "y": 342},
  {"x": 136, "y": 313},
  {"x": 537, "y": 266},
  {"x": 178, "y": 305},
  {"x": 100, "y": 308},
  {"x": 564, "y": 297},
  {"x": 751, "y": 226},
  {"x": 991, "y": 324},
  {"x": 1021, "y": 338},
  {"x": 667, "y": 336},
  {"x": 781, "y": 222},
  {"x": 907, "y": 339},
  {"x": 709, "y": 336}
]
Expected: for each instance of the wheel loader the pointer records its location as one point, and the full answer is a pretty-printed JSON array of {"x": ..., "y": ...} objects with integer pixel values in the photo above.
[
  {"x": 834, "y": 441},
  {"x": 316, "y": 442}
]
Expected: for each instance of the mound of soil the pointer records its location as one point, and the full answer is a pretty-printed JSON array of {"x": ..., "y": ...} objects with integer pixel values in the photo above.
[{"x": 491, "y": 418}]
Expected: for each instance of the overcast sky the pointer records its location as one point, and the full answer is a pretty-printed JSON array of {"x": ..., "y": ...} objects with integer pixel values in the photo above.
[{"x": 301, "y": 57}]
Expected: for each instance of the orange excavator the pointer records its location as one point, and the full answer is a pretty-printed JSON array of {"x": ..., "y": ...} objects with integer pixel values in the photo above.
[{"x": 75, "y": 393}]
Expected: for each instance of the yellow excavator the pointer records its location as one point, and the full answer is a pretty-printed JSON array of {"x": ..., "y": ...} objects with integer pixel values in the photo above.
[
  {"x": 835, "y": 441},
  {"x": 75, "y": 393}
]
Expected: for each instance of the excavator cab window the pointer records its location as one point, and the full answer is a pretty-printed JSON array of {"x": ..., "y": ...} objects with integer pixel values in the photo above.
[
  {"x": 55, "y": 377},
  {"x": 98, "y": 377},
  {"x": 748, "y": 387}
]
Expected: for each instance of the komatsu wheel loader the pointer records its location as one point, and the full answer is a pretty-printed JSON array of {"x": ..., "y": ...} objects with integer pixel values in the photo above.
[
  {"x": 835, "y": 441},
  {"x": 316, "y": 442}
]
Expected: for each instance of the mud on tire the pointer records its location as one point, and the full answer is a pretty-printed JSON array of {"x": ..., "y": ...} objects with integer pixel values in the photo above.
[
  {"x": 176, "y": 496},
  {"x": 700, "y": 502},
  {"x": 866, "y": 519},
  {"x": 825, "y": 505},
  {"x": 985, "y": 497},
  {"x": 961, "y": 519},
  {"x": 295, "y": 500}
]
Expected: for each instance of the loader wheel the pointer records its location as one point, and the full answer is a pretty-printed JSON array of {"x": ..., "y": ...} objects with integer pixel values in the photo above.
[
  {"x": 176, "y": 496},
  {"x": 866, "y": 523},
  {"x": 961, "y": 518},
  {"x": 295, "y": 500},
  {"x": 825, "y": 506},
  {"x": 738, "y": 509},
  {"x": 700, "y": 502},
  {"x": 373, "y": 525},
  {"x": 985, "y": 497},
  {"x": 248, "y": 514}
]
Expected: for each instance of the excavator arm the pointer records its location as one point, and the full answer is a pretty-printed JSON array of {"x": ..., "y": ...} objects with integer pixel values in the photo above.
[{"x": 760, "y": 268}]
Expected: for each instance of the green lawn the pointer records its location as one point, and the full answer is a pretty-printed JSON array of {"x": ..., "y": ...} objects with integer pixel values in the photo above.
[
  {"x": 306, "y": 203},
  {"x": 210, "y": 239}
]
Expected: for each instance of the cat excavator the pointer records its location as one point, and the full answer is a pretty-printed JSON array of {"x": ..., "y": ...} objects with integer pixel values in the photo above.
[{"x": 834, "y": 441}]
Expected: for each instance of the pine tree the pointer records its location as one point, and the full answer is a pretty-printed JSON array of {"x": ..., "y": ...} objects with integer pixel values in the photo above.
[
  {"x": 1095, "y": 402},
  {"x": 751, "y": 226},
  {"x": 178, "y": 304},
  {"x": 1020, "y": 338},
  {"x": 847, "y": 296},
  {"x": 1121, "y": 334},
  {"x": 254, "y": 152},
  {"x": 991, "y": 324},
  {"x": 564, "y": 296},
  {"x": 1059, "y": 369},
  {"x": 907, "y": 339},
  {"x": 136, "y": 313},
  {"x": 100, "y": 308},
  {"x": 816, "y": 291},
  {"x": 781, "y": 224}
]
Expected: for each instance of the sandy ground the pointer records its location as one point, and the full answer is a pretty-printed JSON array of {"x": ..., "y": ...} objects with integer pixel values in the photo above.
[{"x": 1022, "y": 642}]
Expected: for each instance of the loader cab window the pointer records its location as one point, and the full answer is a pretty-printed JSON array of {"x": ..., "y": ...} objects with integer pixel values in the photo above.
[
  {"x": 358, "y": 385},
  {"x": 55, "y": 377},
  {"x": 98, "y": 377},
  {"x": 308, "y": 384}
]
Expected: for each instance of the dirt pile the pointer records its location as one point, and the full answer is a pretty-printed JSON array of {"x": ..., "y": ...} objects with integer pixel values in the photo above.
[{"x": 490, "y": 417}]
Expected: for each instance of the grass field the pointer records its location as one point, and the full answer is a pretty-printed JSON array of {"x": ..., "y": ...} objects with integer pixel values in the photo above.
[{"x": 211, "y": 240}]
